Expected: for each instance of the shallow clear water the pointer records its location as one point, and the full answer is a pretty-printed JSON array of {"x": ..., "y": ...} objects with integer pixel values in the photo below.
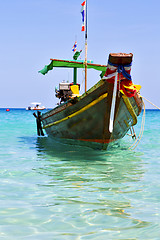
[{"x": 50, "y": 190}]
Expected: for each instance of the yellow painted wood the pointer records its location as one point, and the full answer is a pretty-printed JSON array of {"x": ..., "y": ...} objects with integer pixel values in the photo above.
[
  {"x": 78, "y": 112},
  {"x": 130, "y": 109}
]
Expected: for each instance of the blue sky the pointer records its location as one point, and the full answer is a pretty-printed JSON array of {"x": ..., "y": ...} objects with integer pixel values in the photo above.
[{"x": 34, "y": 31}]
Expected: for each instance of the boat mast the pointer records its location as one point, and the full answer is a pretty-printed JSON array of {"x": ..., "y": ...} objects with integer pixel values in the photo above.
[{"x": 86, "y": 46}]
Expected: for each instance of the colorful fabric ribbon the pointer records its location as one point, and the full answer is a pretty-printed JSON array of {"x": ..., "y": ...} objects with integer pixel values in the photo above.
[
  {"x": 121, "y": 69},
  {"x": 125, "y": 84}
]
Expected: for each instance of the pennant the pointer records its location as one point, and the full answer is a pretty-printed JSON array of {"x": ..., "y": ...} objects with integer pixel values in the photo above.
[
  {"x": 74, "y": 48},
  {"x": 83, "y": 15}
]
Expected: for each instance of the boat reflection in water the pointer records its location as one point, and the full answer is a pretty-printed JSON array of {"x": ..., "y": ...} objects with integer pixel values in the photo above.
[
  {"x": 122, "y": 163},
  {"x": 94, "y": 184}
]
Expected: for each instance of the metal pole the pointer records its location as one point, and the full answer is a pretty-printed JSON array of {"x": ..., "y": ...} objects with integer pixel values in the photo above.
[
  {"x": 75, "y": 76},
  {"x": 85, "y": 66},
  {"x": 86, "y": 47}
]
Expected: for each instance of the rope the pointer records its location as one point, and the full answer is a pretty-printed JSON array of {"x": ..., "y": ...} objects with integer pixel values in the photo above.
[
  {"x": 135, "y": 144},
  {"x": 150, "y": 102}
]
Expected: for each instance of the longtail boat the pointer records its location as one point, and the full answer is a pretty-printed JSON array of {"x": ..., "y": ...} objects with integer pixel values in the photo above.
[{"x": 101, "y": 115}]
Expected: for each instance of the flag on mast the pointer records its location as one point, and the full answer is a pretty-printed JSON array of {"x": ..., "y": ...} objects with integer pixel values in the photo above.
[
  {"x": 74, "y": 48},
  {"x": 83, "y": 15}
]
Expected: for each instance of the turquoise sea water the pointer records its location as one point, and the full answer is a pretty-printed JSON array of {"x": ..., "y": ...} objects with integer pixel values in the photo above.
[{"x": 50, "y": 190}]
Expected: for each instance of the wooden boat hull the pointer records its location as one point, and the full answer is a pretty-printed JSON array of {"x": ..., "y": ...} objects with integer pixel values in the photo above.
[{"x": 85, "y": 120}]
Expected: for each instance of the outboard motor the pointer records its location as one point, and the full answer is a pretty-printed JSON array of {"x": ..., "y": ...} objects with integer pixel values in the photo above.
[{"x": 64, "y": 93}]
